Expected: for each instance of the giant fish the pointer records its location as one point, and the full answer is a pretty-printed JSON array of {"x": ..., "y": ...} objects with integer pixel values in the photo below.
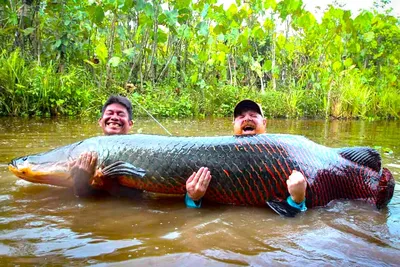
[{"x": 246, "y": 170}]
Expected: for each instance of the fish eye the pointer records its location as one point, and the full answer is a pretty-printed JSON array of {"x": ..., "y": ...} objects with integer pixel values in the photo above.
[{"x": 24, "y": 158}]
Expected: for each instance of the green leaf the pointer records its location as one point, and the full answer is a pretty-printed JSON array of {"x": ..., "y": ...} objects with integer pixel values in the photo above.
[
  {"x": 172, "y": 17},
  {"x": 184, "y": 15},
  {"x": 203, "y": 56},
  {"x": 144, "y": 19},
  {"x": 140, "y": 4},
  {"x": 193, "y": 78},
  {"x": 337, "y": 65},
  {"x": 185, "y": 32},
  {"x": 59, "y": 102},
  {"x": 13, "y": 19},
  {"x": 234, "y": 25},
  {"x": 182, "y": 4},
  {"x": 348, "y": 62},
  {"x": 128, "y": 4},
  {"x": 363, "y": 21},
  {"x": 221, "y": 37},
  {"x": 244, "y": 38},
  {"x": 257, "y": 32},
  {"x": 281, "y": 41},
  {"x": 203, "y": 28},
  {"x": 101, "y": 52},
  {"x": 369, "y": 36},
  {"x": 98, "y": 15},
  {"x": 270, "y": 4},
  {"x": 290, "y": 48},
  {"x": 220, "y": 28},
  {"x": 269, "y": 24},
  {"x": 149, "y": 10},
  {"x": 267, "y": 65},
  {"x": 204, "y": 11},
  {"x": 58, "y": 43},
  {"x": 255, "y": 66},
  {"x": 307, "y": 20},
  {"x": 222, "y": 47},
  {"x": 130, "y": 52},
  {"x": 288, "y": 7},
  {"x": 162, "y": 36},
  {"x": 114, "y": 61},
  {"x": 232, "y": 10},
  {"x": 28, "y": 31}
]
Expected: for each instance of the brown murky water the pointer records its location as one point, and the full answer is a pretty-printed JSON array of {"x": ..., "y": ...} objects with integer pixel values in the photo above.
[{"x": 44, "y": 225}]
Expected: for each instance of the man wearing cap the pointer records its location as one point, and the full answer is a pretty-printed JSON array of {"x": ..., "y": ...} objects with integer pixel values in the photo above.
[
  {"x": 116, "y": 118},
  {"x": 248, "y": 118}
]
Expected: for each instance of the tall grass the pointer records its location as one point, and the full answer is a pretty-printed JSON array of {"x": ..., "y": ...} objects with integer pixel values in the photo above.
[
  {"x": 29, "y": 89},
  {"x": 14, "y": 81},
  {"x": 355, "y": 97},
  {"x": 388, "y": 103}
]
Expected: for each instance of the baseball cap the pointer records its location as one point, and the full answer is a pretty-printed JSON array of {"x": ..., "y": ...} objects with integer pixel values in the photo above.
[{"x": 246, "y": 105}]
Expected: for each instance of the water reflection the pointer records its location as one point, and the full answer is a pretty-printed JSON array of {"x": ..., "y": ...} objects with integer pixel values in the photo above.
[{"x": 41, "y": 224}]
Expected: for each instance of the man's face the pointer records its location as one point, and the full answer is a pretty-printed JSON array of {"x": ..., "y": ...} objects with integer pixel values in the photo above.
[
  {"x": 115, "y": 120},
  {"x": 249, "y": 122}
]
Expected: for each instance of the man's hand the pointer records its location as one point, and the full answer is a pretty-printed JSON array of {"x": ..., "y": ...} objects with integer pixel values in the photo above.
[
  {"x": 297, "y": 186},
  {"x": 82, "y": 171},
  {"x": 197, "y": 184}
]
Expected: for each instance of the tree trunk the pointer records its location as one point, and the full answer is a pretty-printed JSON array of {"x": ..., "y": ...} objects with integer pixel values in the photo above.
[
  {"x": 152, "y": 64},
  {"x": 111, "y": 49},
  {"x": 273, "y": 48}
]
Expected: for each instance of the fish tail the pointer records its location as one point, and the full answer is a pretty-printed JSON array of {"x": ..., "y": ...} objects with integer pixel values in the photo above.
[{"x": 385, "y": 189}]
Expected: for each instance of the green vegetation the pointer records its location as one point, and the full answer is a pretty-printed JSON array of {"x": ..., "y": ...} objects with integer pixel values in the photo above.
[{"x": 195, "y": 58}]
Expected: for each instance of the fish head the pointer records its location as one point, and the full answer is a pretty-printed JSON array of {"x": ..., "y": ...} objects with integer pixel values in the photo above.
[{"x": 51, "y": 168}]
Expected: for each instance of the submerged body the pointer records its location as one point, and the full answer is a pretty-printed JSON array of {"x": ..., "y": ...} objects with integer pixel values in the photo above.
[{"x": 247, "y": 170}]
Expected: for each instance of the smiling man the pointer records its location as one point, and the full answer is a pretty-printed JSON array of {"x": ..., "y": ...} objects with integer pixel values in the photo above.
[{"x": 116, "y": 118}]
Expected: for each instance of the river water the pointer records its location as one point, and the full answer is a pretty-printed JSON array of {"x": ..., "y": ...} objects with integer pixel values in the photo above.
[{"x": 46, "y": 225}]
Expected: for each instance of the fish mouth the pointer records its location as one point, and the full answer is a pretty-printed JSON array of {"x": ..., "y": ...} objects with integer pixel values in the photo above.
[
  {"x": 17, "y": 172},
  {"x": 52, "y": 178}
]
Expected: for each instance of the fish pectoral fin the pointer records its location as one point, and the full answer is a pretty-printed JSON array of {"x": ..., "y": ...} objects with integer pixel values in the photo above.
[
  {"x": 283, "y": 208},
  {"x": 120, "y": 168}
]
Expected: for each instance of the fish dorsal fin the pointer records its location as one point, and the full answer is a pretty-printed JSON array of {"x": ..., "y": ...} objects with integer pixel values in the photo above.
[{"x": 362, "y": 155}]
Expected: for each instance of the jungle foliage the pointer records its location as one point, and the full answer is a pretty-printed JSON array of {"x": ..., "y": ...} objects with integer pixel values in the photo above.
[{"x": 197, "y": 58}]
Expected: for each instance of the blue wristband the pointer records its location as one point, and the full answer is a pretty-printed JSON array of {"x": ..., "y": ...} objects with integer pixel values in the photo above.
[
  {"x": 190, "y": 203},
  {"x": 301, "y": 206}
]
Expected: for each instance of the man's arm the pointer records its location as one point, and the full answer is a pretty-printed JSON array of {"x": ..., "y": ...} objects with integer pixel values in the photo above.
[
  {"x": 82, "y": 171},
  {"x": 196, "y": 187},
  {"x": 197, "y": 184},
  {"x": 297, "y": 189}
]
